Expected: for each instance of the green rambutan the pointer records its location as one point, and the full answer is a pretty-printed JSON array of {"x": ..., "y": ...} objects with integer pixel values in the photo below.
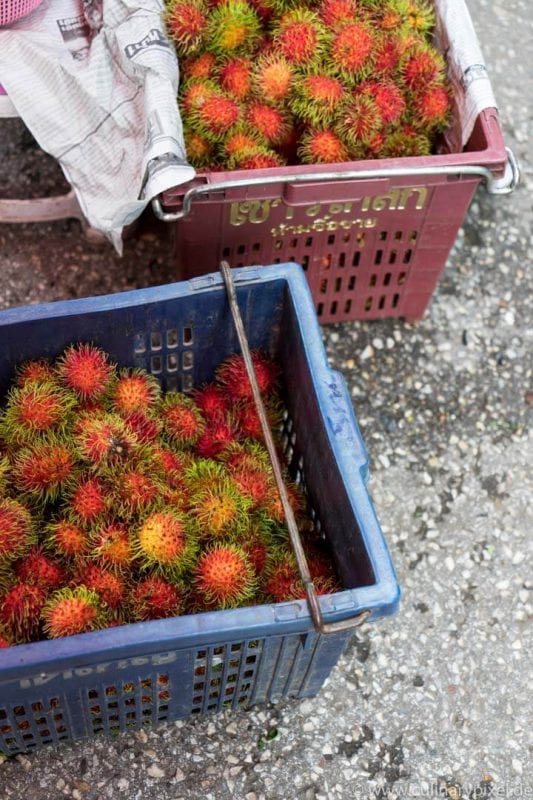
[
  {"x": 44, "y": 470},
  {"x": 353, "y": 51},
  {"x": 359, "y": 120},
  {"x": 17, "y": 533},
  {"x": 186, "y": 22},
  {"x": 233, "y": 28},
  {"x": 202, "y": 66},
  {"x": 236, "y": 77},
  {"x": 163, "y": 542},
  {"x": 38, "y": 371},
  {"x": 34, "y": 409},
  {"x": 273, "y": 78},
  {"x": 336, "y": 14},
  {"x": 322, "y": 147},
  {"x": 218, "y": 434},
  {"x": 135, "y": 390},
  {"x": 37, "y": 569},
  {"x": 299, "y": 36},
  {"x": 387, "y": 96},
  {"x": 203, "y": 473},
  {"x": 209, "y": 398},
  {"x": 103, "y": 439},
  {"x": 111, "y": 545},
  {"x": 183, "y": 422},
  {"x": 109, "y": 586},
  {"x": 220, "y": 509},
  {"x": 67, "y": 539},
  {"x": 316, "y": 98},
  {"x": 225, "y": 576},
  {"x": 20, "y": 610},
  {"x": 405, "y": 142},
  {"x": 233, "y": 378},
  {"x": 155, "y": 598},
  {"x": 422, "y": 66},
  {"x": 200, "y": 151},
  {"x": 85, "y": 370},
  {"x": 71, "y": 611},
  {"x": 215, "y": 116},
  {"x": 432, "y": 108},
  {"x": 420, "y": 16},
  {"x": 269, "y": 122}
]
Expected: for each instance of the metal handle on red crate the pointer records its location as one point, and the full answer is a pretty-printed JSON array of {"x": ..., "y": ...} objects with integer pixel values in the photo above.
[
  {"x": 503, "y": 185},
  {"x": 296, "y": 542}
]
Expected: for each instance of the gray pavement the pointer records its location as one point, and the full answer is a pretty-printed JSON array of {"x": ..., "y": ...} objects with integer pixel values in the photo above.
[{"x": 437, "y": 700}]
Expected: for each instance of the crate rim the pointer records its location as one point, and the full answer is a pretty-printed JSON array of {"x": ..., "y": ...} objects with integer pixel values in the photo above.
[{"x": 381, "y": 598}]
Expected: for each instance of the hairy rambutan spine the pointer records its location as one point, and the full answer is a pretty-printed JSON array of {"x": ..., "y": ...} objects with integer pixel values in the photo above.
[
  {"x": 17, "y": 530},
  {"x": 67, "y": 539},
  {"x": 387, "y": 96},
  {"x": 217, "y": 115},
  {"x": 358, "y": 121},
  {"x": 200, "y": 152},
  {"x": 225, "y": 576},
  {"x": 220, "y": 509},
  {"x": 300, "y": 36},
  {"x": 182, "y": 420},
  {"x": 71, "y": 611},
  {"x": 164, "y": 543},
  {"x": 35, "y": 409},
  {"x": 103, "y": 439},
  {"x": 20, "y": 610},
  {"x": 218, "y": 434},
  {"x": 37, "y": 569},
  {"x": 422, "y": 66},
  {"x": 404, "y": 142},
  {"x": 273, "y": 78},
  {"x": 111, "y": 546},
  {"x": 352, "y": 51},
  {"x": 336, "y": 14},
  {"x": 432, "y": 108},
  {"x": 322, "y": 147},
  {"x": 262, "y": 158},
  {"x": 316, "y": 98},
  {"x": 193, "y": 94},
  {"x": 186, "y": 22},
  {"x": 135, "y": 491},
  {"x": 45, "y": 470},
  {"x": 233, "y": 28},
  {"x": 155, "y": 598},
  {"x": 236, "y": 77},
  {"x": 232, "y": 375},
  {"x": 109, "y": 586},
  {"x": 5, "y": 474},
  {"x": 270, "y": 123},
  {"x": 38, "y": 371},
  {"x": 202, "y": 66},
  {"x": 211, "y": 399},
  {"x": 85, "y": 370},
  {"x": 134, "y": 390}
]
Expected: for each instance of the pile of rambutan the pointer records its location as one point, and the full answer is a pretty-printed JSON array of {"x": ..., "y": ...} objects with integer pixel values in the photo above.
[
  {"x": 266, "y": 83},
  {"x": 119, "y": 503}
]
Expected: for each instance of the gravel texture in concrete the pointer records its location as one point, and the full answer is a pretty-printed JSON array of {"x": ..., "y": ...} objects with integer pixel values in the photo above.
[{"x": 437, "y": 700}]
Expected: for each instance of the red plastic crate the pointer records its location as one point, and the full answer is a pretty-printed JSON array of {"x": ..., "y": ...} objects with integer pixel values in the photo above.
[{"x": 372, "y": 236}]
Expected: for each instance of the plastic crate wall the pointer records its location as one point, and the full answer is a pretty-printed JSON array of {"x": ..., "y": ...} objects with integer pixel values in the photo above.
[
  {"x": 139, "y": 674},
  {"x": 370, "y": 248}
]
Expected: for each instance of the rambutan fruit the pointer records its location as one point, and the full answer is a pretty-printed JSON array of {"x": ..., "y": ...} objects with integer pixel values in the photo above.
[
  {"x": 316, "y": 98},
  {"x": 112, "y": 547},
  {"x": 144, "y": 427},
  {"x": 262, "y": 158},
  {"x": 155, "y": 598},
  {"x": 169, "y": 466},
  {"x": 38, "y": 371},
  {"x": 37, "y": 569},
  {"x": 353, "y": 50},
  {"x": 183, "y": 422},
  {"x": 135, "y": 390},
  {"x": 67, "y": 539},
  {"x": 71, "y": 611},
  {"x": 211, "y": 399},
  {"x": 200, "y": 151},
  {"x": 109, "y": 586},
  {"x": 420, "y": 16},
  {"x": 5, "y": 638},
  {"x": 236, "y": 77},
  {"x": 231, "y": 375},
  {"x": 422, "y": 66},
  {"x": 103, "y": 439},
  {"x": 336, "y": 14},
  {"x": 88, "y": 501},
  {"x": 272, "y": 505},
  {"x": 243, "y": 456},
  {"x": 432, "y": 108},
  {"x": 202, "y": 66},
  {"x": 34, "y": 409},
  {"x": 255, "y": 484},
  {"x": 299, "y": 36},
  {"x": 218, "y": 434},
  {"x": 134, "y": 490},
  {"x": 5, "y": 472},
  {"x": 186, "y": 22},
  {"x": 17, "y": 532},
  {"x": 220, "y": 509},
  {"x": 258, "y": 553},
  {"x": 386, "y": 56},
  {"x": 225, "y": 576},
  {"x": 85, "y": 370},
  {"x": 163, "y": 542},
  {"x": 322, "y": 147},
  {"x": 273, "y": 78},
  {"x": 44, "y": 470},
  {"x": 284, "y": 581},
  {"x": 20, "y": 610},
  {"x": 215, "y": 116},
  {"x": 387, "y": 96},
  {"x": 247, "y": 419},
  {"x": 405, "y": 142},
  {"x": 193, "y": 94},
  {"x": 359, "y": 120},
  {"x": 233, "y": 28},
  {"x": 203, "y": 473},
  {"x": 270, "y": 123}
]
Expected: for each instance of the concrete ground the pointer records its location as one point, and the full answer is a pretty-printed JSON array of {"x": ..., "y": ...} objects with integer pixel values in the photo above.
[{"x": 435, "y": 701}]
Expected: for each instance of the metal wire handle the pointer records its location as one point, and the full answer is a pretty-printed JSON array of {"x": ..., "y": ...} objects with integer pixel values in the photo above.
[
  {"x": 296, "y": 542},
  {"x": 504, "y": 185}
]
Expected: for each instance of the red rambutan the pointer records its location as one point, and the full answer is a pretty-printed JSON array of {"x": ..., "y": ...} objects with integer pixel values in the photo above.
[
  {"x": 405, "y": 142},
  {"x": 273, "y": 78},
  {"x": 299, "y": 36},
  {"x": 194, "y": 93},
  {"x": 233, "y": 28},
  {"x": 236, "y": 77},
  {"x": 5, "y": 638},
  {"x": 67, "y": 539},
  {"x": 202, "y": 66},
  {"x": 216, "y": 116},
  {"x": 145, "y": 428},
  {"x": 336, "y": 14},
  {"x": 432, "y": 107},
  {"x": 16, "y": 530},
  {"x": 386, "y": 56},
  {"x": 155, "y": 598},
  {"x": 225, "y": 576},
  {"x": 359, "y": 120},
  {"x": 39, "y": 371},
  {"x": 262, "y": 158},
  {"x": 135, "y": 491},
  {"x": 44, "y": 470},
  {"x": 34, "y": 409},
  {"x": 211, "y": 400},
  {"x": 200, "y": 152},
  {"x": 169, "y": 465},
  {"x": 253, "y": 483},
  {"x": 182, "y": 420},
  {"x": 37, "y": 569},
  {"x": 316, "y": 98},
  {"x": 353, "y": 50},
  {"x": 164, "y": 542},
  {"x": 135, "y": 390},
  {"x": 103, "y": 439},
  {"x": 86, "y": 370},
  {"x": 269, "y": 122},
  {"x": 218, "y": 434},
  {"x": 272, "y": 505},
  {"x": 186, "y": 22},
  {"x": 220, "y": 509},
  {"x": 109, "y": 586},
  {"x": 387, "y": 96},
  {"x": 233, "y": 378},
  {"x": 20, "y": 610},
  {"x": 71, "y": 611},
  {"x": 422, "y": 66},
  {"x": 89, "y": 500},
  {"x": 322, "y": 147},
  {"x": 284, "y": 582},
  {"x": 112, "y": 547}
]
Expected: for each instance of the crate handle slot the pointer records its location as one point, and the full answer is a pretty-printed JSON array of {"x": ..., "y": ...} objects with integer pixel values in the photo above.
[
  {"x": 296, "y": 542},
  {"x": 503, "y": 185}
]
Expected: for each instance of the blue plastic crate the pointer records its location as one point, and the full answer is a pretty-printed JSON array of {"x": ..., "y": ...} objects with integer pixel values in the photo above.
[{"x": 131, "y": 676}]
